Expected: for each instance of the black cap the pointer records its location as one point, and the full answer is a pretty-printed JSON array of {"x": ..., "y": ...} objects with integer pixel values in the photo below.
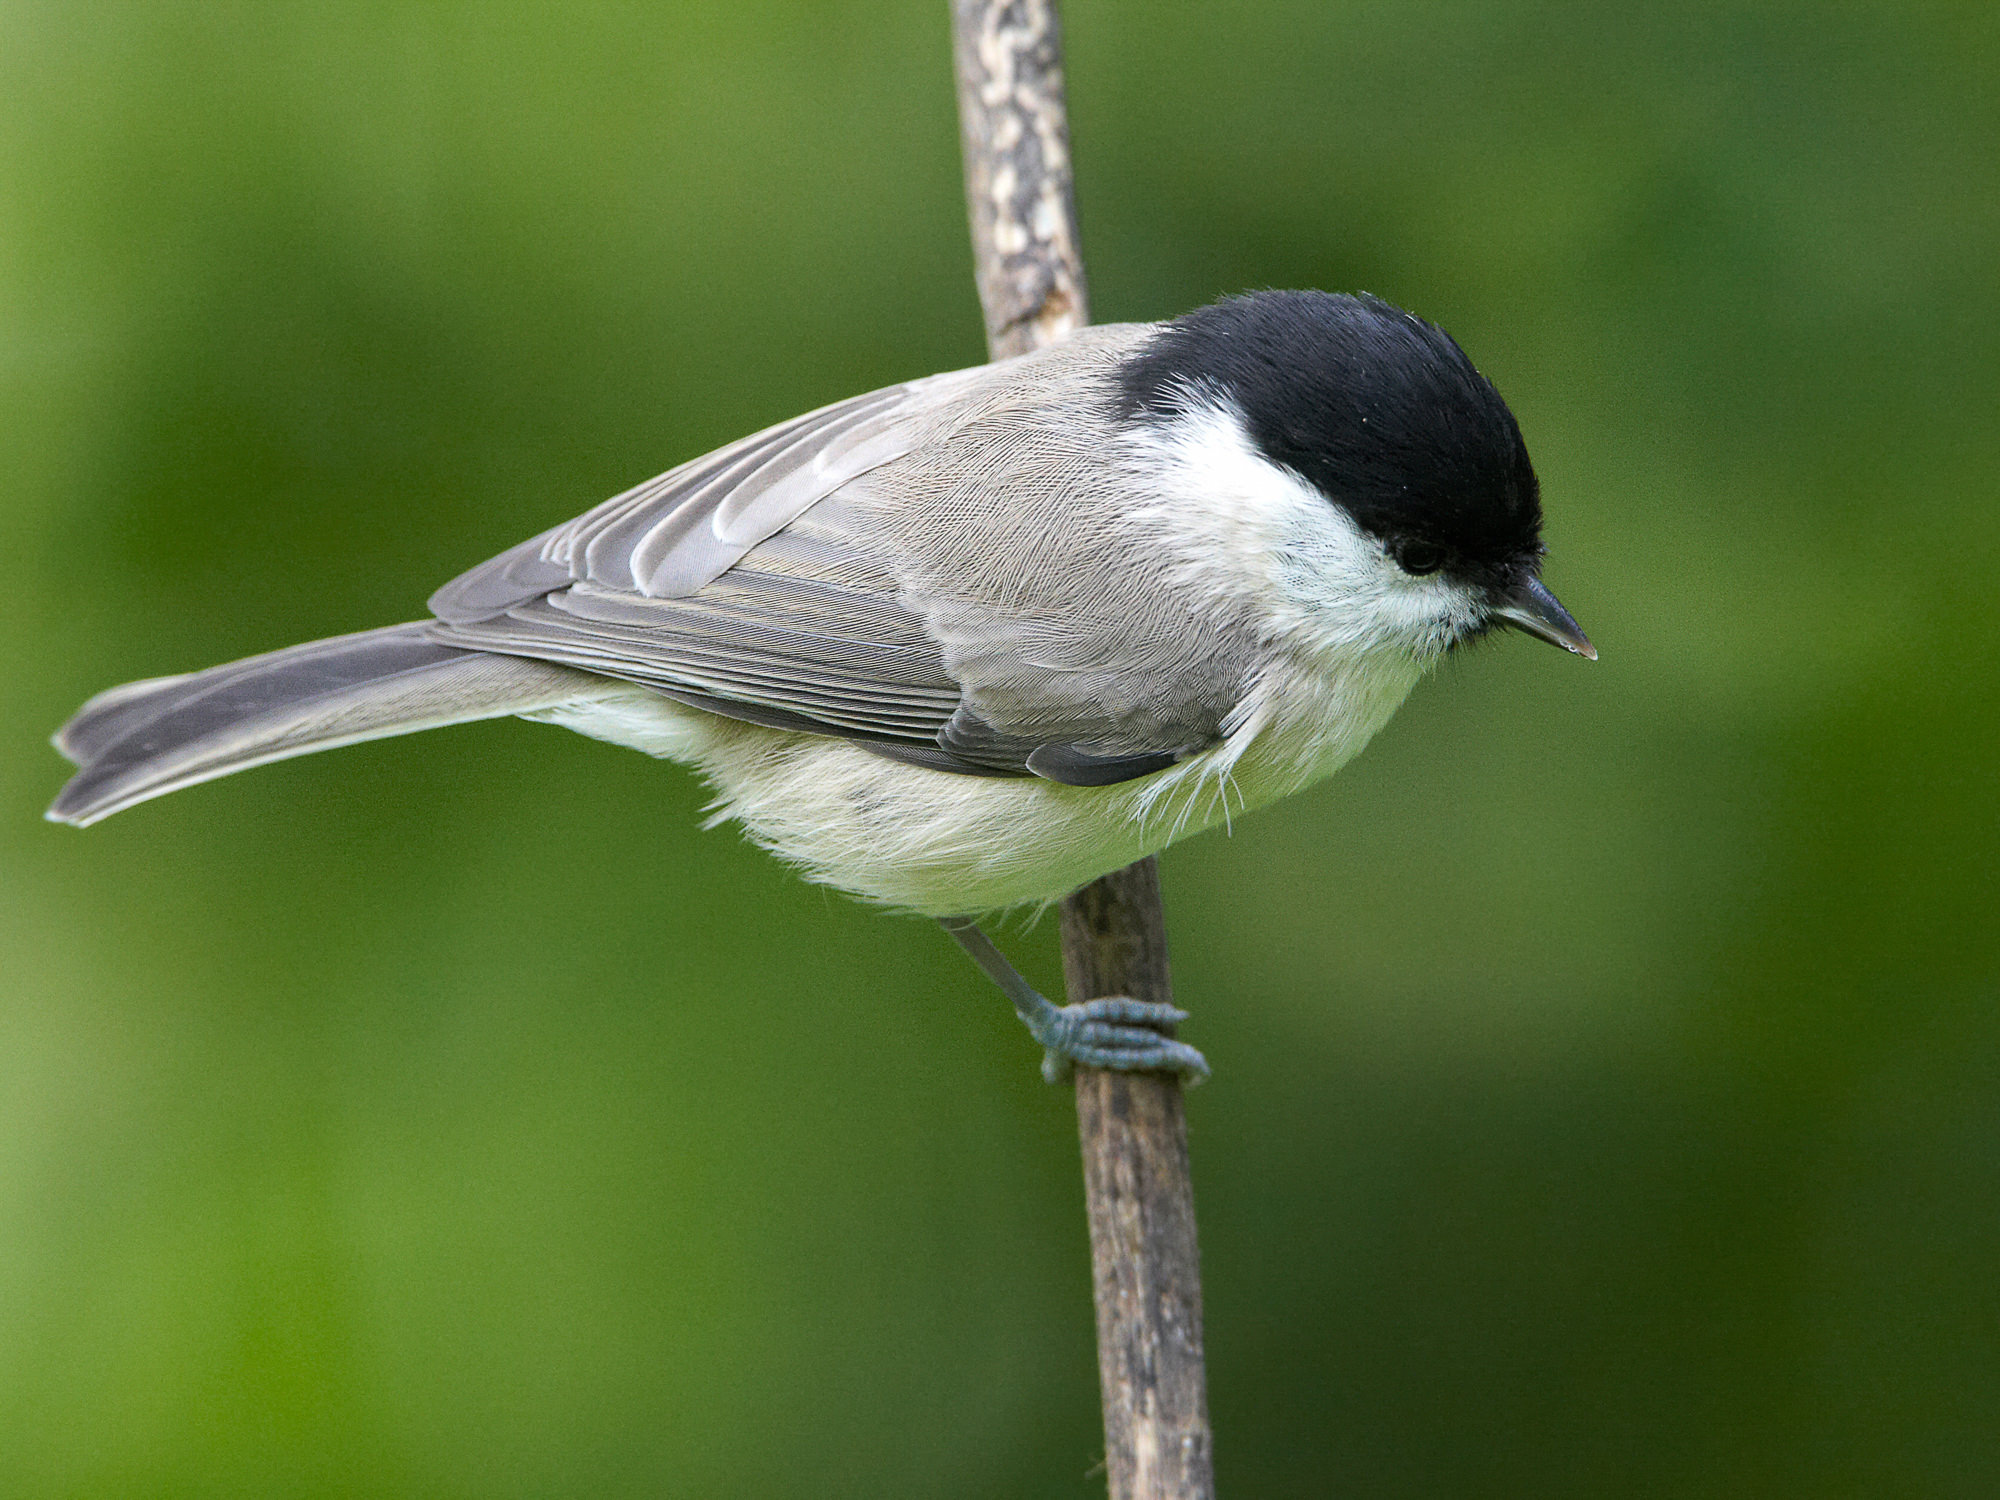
[{"x": 1378, "y": 409}]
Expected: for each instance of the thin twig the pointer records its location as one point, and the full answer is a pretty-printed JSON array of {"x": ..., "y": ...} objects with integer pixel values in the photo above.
[
  {"x": 1143, "y": 1255},
  {"x": 1140, "y": 1197}
]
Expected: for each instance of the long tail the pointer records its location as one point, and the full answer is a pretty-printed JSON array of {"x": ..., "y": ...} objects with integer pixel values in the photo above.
[{"x": 148, "y": 738}]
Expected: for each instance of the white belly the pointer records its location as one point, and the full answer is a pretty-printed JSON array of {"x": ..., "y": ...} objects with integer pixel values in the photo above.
[{"x": 947, "y": 845}]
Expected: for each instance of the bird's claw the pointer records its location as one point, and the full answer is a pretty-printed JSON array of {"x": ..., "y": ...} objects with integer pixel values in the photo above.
[{"x": 1118, "y": 1033}]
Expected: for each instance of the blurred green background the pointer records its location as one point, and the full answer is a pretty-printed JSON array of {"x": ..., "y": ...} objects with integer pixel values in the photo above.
[{"x": 1608, "y": 1095}]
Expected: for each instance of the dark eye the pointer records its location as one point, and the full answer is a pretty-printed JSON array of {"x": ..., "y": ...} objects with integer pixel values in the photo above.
[{"x": 1419, "y": 558}]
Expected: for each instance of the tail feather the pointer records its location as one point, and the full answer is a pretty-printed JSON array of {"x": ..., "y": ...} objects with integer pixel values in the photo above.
[
  {"x": 147, "y": 738},
  {"x": 106, "y": 717}
]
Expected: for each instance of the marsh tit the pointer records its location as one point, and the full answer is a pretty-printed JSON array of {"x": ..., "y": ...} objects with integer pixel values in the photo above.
[{"x": 970, "y": 642}]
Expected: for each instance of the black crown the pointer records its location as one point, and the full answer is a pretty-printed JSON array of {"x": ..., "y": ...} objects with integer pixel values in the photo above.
[{"x": 1378, "y": 409}]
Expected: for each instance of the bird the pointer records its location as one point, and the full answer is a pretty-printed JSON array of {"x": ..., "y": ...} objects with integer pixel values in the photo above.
[{"x": 966, "y": 643}]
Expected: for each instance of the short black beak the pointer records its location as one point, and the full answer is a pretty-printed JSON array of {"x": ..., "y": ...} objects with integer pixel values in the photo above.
[{"x": 1531, "y": 607}]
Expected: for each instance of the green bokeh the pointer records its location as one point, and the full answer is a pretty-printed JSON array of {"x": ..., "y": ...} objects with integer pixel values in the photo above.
[{"x": 1608, "y": 1095}]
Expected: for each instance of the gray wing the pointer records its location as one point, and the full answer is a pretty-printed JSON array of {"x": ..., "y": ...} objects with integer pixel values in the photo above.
[
  {"x": 672, "y": 536},
  {"x": 783, "y": 580},
  {"x": 805, "y": 632}
]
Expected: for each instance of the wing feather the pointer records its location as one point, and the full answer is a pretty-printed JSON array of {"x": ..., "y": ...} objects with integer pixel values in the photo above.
[
  {"x": 673, "y": 535},
  {"x": 903, "y": 569}
]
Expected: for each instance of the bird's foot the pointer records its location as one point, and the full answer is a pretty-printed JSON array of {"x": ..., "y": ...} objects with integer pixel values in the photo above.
[{"x": 1116, "y": 1032}]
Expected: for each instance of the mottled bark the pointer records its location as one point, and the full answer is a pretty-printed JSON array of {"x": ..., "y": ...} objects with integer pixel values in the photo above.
[
  {"x": 1014, "y": 125},
  {"x": 1144, "y": 1260}
]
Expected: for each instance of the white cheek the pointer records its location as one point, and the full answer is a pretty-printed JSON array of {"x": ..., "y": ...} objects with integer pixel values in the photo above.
[
  {"x": 1344, "y": 590},
  {"x": 1316, "y": 577}
]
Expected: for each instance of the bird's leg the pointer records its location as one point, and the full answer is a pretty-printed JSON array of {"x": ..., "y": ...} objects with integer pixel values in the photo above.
[{"x": 1115, "y": 1032}]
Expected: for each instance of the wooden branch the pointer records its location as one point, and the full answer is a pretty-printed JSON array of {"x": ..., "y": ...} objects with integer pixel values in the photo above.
[
  {"x": 1143, "y": 1256},
  {"x": 1014, "y": 126},
  {"x": 1140, "y": 1198}
]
